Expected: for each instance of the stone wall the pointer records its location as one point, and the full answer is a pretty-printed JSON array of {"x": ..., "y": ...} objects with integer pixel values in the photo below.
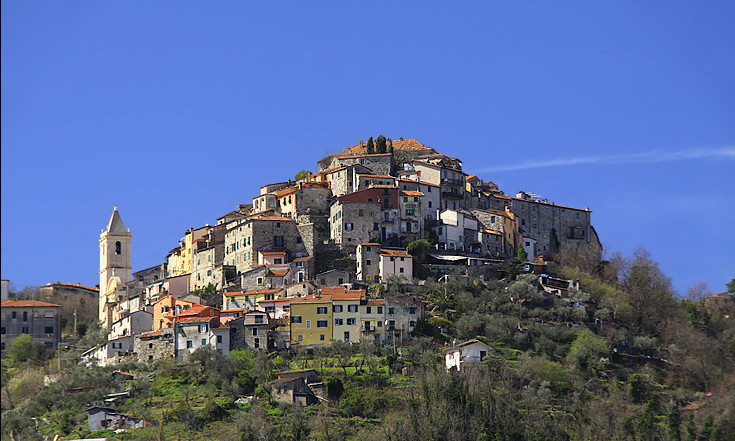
[{"x": 355, "y": 222}]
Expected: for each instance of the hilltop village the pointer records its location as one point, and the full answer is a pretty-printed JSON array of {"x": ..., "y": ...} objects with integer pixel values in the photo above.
[{"x": 303, "y": 264}]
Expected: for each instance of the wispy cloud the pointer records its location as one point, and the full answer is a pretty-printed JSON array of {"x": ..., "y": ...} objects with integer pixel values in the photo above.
[{"x": 634, "y": 158}]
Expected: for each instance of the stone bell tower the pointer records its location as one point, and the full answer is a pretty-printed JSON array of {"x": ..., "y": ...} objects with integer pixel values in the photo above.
[{"x": 114, "y": 265}]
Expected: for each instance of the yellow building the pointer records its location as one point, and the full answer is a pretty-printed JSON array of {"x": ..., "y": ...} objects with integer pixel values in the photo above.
[
  {"x": 311, "y": 320},
  {"x": 346, "y": 316}
]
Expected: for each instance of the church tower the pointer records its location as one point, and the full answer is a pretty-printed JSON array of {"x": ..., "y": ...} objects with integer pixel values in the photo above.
[{"x": 114, "y": 265}]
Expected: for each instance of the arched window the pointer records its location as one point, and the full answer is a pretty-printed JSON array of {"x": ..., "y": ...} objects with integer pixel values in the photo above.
[{"x": 118, "y": 247}]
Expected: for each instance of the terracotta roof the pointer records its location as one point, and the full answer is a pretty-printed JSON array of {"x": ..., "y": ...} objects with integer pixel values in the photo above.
[
  {"x": 10, "y": 303},
  {"x": 383, "y": 186},
  {"x": 272, "y": 253},
  {"x": 279, "y": 273},
  {"x": 351, "y": 295},
  {"x": 303, "y": 259},
  {"x": 333, "y": 290},
  {"x": 193, "y": 319},
  {"x": 411, "y": 193},
  {"x": 233, "y": 310},
  {"x": 150, "y": 334},
  {"x": 273, "y": 218},
  {"x": 312, "y": 299},
  {"x": 418, "y": 182},
  {"x": 285, "y": 380},
  {"x": 395, "y": 253},
  {"x": 362, "y": 156},
  {"x": 372, "y": 302},
  {"x": 547, "y": 203},
  {"x": 76, "y": 285},
  {"x": 407, "y": 144}
]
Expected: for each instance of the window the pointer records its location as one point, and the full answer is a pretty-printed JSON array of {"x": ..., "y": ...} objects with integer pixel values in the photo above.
[
  {"x": 48, "y": 330},
  {"x": 409, "y": 211},
  {"x": 300, "y": 338},
  {"x": 24, "y": 330},
  {"x": 429, "y": 204},
  {"x": 118, "y": 247},
  {"x": 277, "y": 260},
  {"x": 25, "y": 316},
  {"x": 278, "y": 241},
  {"x": 412, "y": 323},
  {"x": 209, "y": 272},
  {"x": 379, "y": 323},
  {"x": 189, "y": 344},
  {"x": 256, "y": 342},
  {"x": 380, "y": 309},
  {"x": 405, "y": 199},
  {"x": 368, "y": 262},
  {"x": 415, "y": 198},
  {"x": 352, "y": 308},
  {"x": 349, "y": 226},
  {"x": 338, "y": 322},
  {"x": 369, "y": 310},
  {"x": 347, "y": 335},
  {"x": 295, "y": 319},
  {"x": 439, "y": 230},
  {"x": 412, "y": 310},
  {"x": 14, "y": 314},
  {"x": 391, "y": 311},
  {"x": 392, "y": 324},
  {"x": 321, "y": 310},
  {"x": 2, "y": 330},
  {"x": 203, "y": 328},
  {"x": 401, "y": 269},
  {"x": 321, "y": 337},
  {"x": 255, "y": 332},
  {"x": 260, "y": 281},
  {"x": 351, "y": 321},
  {"x": 299, "y": 239},
  {"x": 323, "y": 323},
  {"x": 375, "y": 226},
  {"x": 204, "y": 341},
  {"x": 219, "y": 339},
  {"x": 308, "y": 323},
  {"x": 337, "y": 308}
]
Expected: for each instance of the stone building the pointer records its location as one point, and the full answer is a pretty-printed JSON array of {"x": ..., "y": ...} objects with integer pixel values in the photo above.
[
  {"x": 401, "y": 315},
  {"x": 146, "y": 277},
  {"x": 40, "y": 320},
  {"x": 445, "y": 172},
  {"x": 458, "y": 230},
  {"x": 207, "y": 260},
  {"x": 370, "y": 215},
  {"x": 251, "y": 331},
  {"x": 155, "y": 345},
  {"x": 307, "y": 198},
  {"x": 379, "y": 164},
  {"x": 503, "y": 222},
  {"x": 553, "y": 227},
  {"x": 368, "y": 268},
  {"x": 333, "y": 277},
  {"x": 243, "y": 242}
]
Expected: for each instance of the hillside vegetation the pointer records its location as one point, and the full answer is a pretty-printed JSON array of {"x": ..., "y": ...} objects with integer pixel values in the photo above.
[{"x": 621, "y": 359}]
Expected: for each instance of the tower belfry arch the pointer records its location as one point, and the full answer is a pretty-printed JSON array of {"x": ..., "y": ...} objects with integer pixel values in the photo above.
[{"x": 115, "y": 266}]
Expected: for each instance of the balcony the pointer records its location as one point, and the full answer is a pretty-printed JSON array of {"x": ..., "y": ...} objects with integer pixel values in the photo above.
[
  {"x": 451, "y": 181},
  {"x": 452, "y": 195},
  {"x": 368, "y": 328}
]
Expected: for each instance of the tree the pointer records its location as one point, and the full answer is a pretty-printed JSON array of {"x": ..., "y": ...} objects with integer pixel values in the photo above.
[
  {"x": 419, "y": 249},
  {"x": 381, "y": 145},
  {"x": 521, "y": 253},
  {"x": 303, "y": 174},
  {"x": 370, "y": 146},
  {"x": 390, "y": 145},
  {"x": 731, "y": 286},
  {"x": 24, "y": 349},
  {"x": 587, "y": 350}
]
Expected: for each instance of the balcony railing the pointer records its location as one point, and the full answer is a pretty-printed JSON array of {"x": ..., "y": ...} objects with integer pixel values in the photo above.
[
  {"x": 451, "y": 195},
  {"x": 452, "y": 181}
]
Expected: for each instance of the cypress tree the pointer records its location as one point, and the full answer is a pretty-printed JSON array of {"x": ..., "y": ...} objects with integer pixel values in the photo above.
[
  {"x": 381, "y": 146},
  {"x": 370, "y": 146}
]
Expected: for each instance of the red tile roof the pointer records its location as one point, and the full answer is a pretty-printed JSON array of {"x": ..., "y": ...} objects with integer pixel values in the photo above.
[
  {"x": 254, "y": 292},
  {"x": 11, "y": 303},
  {"x": 274, "y": 218},
  {"x": 411, "y": 193},
  {"x": 395, "y": 253}
]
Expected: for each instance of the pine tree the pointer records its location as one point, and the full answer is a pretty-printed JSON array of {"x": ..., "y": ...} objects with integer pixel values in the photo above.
[{"x": 370, "y": 146}]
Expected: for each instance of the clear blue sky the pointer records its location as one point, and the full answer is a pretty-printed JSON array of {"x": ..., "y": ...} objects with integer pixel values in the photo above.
[{"x": 179, "y": 110}]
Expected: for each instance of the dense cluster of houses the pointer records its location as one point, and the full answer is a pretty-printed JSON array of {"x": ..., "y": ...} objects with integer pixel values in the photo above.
[{"x": 270, "y": 259}]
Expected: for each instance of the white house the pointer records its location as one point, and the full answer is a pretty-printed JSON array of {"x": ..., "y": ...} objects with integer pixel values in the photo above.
[{"x": 472, "y": 351}]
